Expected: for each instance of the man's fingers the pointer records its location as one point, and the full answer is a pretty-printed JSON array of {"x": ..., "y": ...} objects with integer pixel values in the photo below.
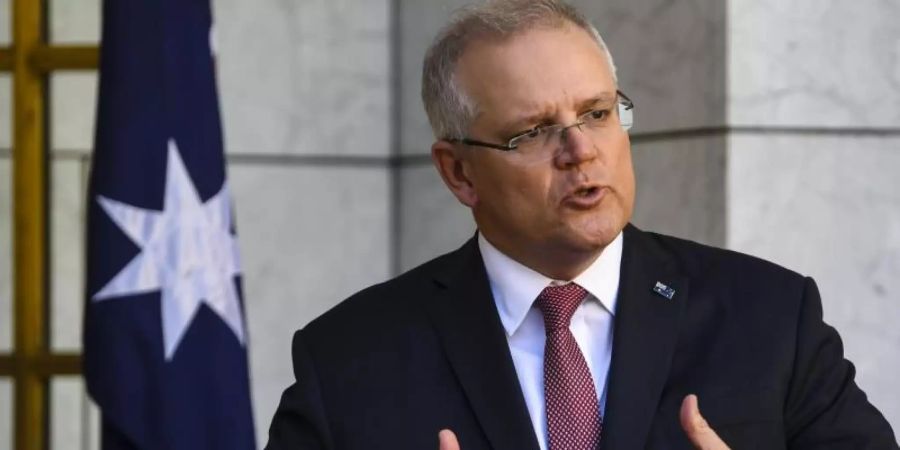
[
  {"x": 448, "y": 440},
  {"x": 697, "y": 429}
]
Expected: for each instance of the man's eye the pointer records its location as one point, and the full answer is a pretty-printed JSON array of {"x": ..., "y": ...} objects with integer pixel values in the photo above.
[
  {"x": 597, "y": 114},
  {"x": 532, "y": 133}
]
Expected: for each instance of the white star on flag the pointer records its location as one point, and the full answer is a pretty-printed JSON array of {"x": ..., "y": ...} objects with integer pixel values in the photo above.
[{"x": 187, "y": 252}]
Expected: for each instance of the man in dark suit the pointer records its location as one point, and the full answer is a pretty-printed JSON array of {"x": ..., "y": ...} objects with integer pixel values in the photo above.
[{"x": 559, "y": 325}]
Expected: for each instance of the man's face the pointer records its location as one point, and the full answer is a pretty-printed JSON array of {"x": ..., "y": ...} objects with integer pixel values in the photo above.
[{"x": 578, "y": 198}]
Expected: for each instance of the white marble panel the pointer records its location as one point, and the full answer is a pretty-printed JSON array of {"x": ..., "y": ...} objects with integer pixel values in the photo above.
[
  {"x": 309, "y": 237},
  {"x": 6, "y": 255},
  {"x": 307, "y": 77},
  {"x": 814, "y": 63},
  {"x": 829, "y": 207},
  {"x": 74, "y": 21},
  {"x": 72, "y": 110},
  {"x": 5, "y": 111},
  {"x": 681, "y": 188},
  {"x": 68, "y": 190},
  {"x": 6, "y": 414},
  {"x": 432, "y": 221},
  {"x": 68, "y": 409}
]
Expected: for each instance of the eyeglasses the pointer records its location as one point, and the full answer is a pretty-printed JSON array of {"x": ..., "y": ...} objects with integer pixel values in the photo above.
[{"x": 546, "y": 139}]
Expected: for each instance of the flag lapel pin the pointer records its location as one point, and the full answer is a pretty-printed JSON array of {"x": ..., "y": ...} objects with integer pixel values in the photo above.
[{"x": 664, "y": 290}]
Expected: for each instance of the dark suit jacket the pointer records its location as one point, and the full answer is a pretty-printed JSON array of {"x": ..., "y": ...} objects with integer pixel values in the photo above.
[{"x": 392, "y": 365}]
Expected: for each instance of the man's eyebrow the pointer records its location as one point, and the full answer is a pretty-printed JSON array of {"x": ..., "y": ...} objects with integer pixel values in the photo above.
[
  {"x": 602, "y": 99},
  {"x": 538, "y": 117},
  {"x": 528, "y": 119},
  {"x": 541, "y": 116}
]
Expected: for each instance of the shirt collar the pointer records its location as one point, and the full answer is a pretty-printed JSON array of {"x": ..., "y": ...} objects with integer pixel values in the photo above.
[{"x": 515, "y": 287}]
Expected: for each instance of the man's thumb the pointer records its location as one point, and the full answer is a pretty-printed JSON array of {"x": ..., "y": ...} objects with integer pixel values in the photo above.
[
  {"x": 697, "y": 429},
  {"x": 448, "y": 440}
]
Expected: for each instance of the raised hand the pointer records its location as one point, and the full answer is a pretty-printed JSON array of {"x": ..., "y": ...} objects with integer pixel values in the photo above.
[
  {"x": 447, "y": 440},
  {"x": 695, "y": 426}
]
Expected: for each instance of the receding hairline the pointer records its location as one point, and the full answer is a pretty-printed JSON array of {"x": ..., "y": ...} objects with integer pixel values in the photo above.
[
  {"x": 562, "y": 24},
  {"x": 499, "y": 40}
]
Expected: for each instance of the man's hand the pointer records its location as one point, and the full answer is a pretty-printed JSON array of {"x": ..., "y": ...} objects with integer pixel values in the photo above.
[
  {"x": 698, "y": 431},
  {"x": 448, "y": 440}
]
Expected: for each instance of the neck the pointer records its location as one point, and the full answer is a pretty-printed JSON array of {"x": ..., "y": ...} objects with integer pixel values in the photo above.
[{"x": 552, "y": 261}]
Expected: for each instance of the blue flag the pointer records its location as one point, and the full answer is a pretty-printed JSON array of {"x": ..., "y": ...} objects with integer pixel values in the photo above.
[{"x": 165, "y": 341}]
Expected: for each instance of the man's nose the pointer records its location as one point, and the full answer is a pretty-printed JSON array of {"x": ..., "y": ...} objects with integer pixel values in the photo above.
[{"x": 577, "y": 146}]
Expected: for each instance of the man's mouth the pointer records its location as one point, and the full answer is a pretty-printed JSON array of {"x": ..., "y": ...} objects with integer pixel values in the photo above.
[
  {"x": 586, "y": 191},
  {"x": 585, "y": 197}
]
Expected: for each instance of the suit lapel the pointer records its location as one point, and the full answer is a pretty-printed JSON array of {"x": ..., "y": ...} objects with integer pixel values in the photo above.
[
  {"x": 646, "y": 328},
  {"x": 466, "y": 319}
]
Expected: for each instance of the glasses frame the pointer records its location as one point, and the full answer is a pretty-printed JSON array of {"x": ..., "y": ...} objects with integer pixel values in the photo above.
[{"x": 511, "y": 144}]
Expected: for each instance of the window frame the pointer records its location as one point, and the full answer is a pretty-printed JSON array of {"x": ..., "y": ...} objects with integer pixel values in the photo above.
[{"x": 32, "y": 364}]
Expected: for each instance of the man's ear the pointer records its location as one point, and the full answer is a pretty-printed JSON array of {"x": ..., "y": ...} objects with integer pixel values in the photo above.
[{"x": 455, "y": 171}]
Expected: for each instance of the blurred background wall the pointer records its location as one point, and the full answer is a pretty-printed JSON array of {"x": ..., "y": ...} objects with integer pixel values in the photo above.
[{"x": 771, "y": 127}]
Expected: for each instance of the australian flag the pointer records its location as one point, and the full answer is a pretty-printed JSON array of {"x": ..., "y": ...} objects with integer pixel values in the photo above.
[{"x": 165, "y": 341}]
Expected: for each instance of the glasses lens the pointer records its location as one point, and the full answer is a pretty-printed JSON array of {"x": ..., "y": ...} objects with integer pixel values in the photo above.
[{"x": 626, "y": 115}]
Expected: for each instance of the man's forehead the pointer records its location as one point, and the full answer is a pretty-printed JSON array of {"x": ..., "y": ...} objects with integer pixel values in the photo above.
[{"x": 589, "y": 95}]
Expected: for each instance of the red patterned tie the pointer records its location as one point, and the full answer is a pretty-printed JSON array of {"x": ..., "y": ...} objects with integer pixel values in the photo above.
[{"x": 573, "y": 413}]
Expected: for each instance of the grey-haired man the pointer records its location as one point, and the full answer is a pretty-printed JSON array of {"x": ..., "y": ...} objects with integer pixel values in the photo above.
[{"x": 559, "y": 325}]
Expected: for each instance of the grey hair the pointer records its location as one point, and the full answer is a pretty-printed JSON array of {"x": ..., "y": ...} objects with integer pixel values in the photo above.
[{"x": 450, "y": 110}]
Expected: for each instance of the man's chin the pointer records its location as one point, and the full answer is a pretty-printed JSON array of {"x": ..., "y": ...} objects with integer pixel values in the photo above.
[
  {"x": 581, "y": 247},
  {"x": 596, "y": 234}
]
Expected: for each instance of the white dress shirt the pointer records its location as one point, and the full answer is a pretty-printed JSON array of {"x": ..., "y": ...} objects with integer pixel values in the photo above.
[{"x": 516, "y": 287}]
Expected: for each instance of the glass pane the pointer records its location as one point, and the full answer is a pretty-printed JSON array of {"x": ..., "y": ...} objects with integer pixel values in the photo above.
[
  {"x": 5, "y": 111},
  {"x": 74, "y": 21},
  {"x": 73, "y": 418},
  {"x": 6, "y": 416},
  {"x": 91, "y": 428},
  {"x": 5, "y": 254},
  {"x": 67, "y": 195},
  {"x": 5, "y": 27},
  {"x": 5, "y": 203},
  {"x": 73, "y": 98}
]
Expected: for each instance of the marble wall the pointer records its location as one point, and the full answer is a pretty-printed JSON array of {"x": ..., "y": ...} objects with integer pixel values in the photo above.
[
  {"x": 814, "y": 106},
  {"x": 680, "y": 187},
  {"x": 814, "y": 63},
  {"x": 309, "y": 236},
  {"x": 829, "y": 207},
  {"x": 305, "y": 78},
  {"x": 307, "y": 119}
]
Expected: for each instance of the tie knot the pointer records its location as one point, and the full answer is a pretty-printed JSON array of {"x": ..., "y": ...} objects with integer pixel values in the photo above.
[{"x": 558, "y": 304}]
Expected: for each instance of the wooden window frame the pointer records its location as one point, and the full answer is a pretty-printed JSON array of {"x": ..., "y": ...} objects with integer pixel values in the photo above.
[{"x": 31, "y": 365}]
